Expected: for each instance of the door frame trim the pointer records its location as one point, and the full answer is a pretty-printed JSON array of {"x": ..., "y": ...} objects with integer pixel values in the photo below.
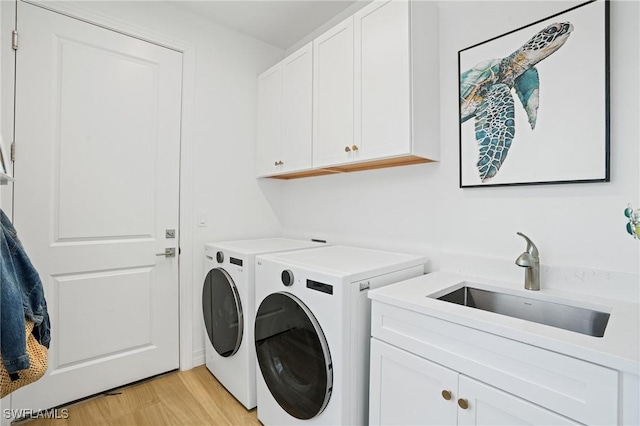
[{"x": 77, "y": 10}]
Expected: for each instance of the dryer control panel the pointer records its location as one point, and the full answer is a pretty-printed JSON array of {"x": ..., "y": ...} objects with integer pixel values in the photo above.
[{"x": 315, "y": 285}]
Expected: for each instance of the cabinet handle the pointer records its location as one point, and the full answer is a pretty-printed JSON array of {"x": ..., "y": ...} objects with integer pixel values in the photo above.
[
  {"x": 347, "y": 149},
  {"x": 463, "y": 403},
  {"x": 446, "y": 395},
  {"x": 275, "y": 163},
  {"x": 280, "y": 163},
  {"x": 354, "y": 148}
]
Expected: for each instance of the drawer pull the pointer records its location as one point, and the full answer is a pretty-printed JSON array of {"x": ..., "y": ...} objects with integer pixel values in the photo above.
[
  {"x": 463, "y": 403},
  {"x": 446, "y": 395}
]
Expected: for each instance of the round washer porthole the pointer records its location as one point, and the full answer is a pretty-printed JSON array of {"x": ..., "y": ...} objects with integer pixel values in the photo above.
[
  {"x": 293, "y": 355},
  {"x": 222, "y": 311}
]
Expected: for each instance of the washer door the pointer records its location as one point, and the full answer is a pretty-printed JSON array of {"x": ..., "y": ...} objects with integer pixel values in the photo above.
[
  {"x": 293, "y": 355},
  {"x": 222, "y": 312}
]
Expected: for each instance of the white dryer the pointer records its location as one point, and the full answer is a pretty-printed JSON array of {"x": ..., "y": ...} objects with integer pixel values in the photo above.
[
  {"x": 228, "y": 309},
  {"x": 312, "y": 331}
]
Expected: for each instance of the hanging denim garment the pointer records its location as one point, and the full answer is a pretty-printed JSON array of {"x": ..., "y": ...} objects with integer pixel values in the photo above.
[{"x": 22, "y": 296}]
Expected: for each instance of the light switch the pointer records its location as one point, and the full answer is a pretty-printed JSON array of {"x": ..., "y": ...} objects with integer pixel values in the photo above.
[{"x": 202, "y": 219}]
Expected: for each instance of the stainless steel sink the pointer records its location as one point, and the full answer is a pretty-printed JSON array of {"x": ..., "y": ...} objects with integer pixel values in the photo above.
[{"x": 568, "y": 317}]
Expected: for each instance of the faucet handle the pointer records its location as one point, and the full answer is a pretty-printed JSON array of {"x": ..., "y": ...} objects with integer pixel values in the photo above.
[{"x": 531, "y": 247}]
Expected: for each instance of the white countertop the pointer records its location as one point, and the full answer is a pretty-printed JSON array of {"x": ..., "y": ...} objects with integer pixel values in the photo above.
[{"x": 619, "y": 348}]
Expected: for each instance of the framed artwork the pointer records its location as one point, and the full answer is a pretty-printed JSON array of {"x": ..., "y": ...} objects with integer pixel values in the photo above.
[{"x": 534, "y": 102}]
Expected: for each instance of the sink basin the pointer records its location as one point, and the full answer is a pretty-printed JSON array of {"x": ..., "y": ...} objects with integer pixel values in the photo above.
[{"x": 568, "y": 317}]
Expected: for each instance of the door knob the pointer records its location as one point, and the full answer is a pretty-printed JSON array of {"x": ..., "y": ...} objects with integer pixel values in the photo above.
[
  {"x": 446, "y": 395},
  {"x": 347, "y": 149},
  {"x": 354, "y": 148},
  {"x": 168, "y": 252},
  {"x": 463, "y": 403}
]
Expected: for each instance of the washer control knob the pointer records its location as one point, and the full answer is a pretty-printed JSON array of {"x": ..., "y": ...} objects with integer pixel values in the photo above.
[
  {"x": 287, "y": 277},
  {"x": 220, "y": 257}
]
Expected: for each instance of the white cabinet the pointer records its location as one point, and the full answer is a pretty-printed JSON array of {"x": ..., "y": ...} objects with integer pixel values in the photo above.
[
  {"x": 383, "y": 80},
  {"x": 333, "y": 95},
  {"x": 285, "y": 115},
  {"x": 486, "y": 405},
  {"x": 376, "y": 88},
  {"x": 408, "y": 389},
  {"x": 415, "y": 357},
  {"x": 295, "y": 148},
  {"x": 269, "y": 117},
  {"x": 375, "y": 95}
]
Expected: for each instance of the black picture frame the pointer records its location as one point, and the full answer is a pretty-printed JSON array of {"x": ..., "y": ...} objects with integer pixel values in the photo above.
[{"x": 508, "y": 134}]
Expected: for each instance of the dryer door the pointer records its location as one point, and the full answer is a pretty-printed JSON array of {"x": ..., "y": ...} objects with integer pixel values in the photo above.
[
  {"x": 293, "y": 355},
  {"x": 222, "y": 312}
]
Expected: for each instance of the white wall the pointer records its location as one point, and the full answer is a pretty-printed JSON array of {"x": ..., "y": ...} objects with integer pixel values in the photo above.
[{"x": 421, "y": 209}]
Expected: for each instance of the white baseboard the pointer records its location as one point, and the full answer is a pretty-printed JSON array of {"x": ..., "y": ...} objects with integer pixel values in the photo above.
[{"x": 198, "y": 358}]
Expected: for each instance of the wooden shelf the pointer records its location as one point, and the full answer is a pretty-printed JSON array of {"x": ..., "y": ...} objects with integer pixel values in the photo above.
[{"x": 355, "y": 167}]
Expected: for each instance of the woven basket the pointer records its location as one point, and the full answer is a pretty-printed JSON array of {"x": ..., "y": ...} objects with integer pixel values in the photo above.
[{"x": 38, "y": 365}]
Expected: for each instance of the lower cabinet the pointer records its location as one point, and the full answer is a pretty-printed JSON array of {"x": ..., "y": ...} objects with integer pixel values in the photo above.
[
  {"x": 408, "y": 389},
  {"x": 487, "y": 405}
]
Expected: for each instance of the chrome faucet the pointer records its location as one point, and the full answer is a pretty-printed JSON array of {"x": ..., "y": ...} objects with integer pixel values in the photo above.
[{"x": 530, "y": 259}]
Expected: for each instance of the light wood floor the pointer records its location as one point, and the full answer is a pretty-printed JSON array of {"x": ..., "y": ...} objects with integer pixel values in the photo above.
[{"x": 191, "y": 397}]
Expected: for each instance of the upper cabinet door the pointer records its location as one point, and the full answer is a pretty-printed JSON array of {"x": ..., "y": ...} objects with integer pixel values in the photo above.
[
  {"x": 269, "y": 125},
  {"x": 297, "y": 104},
  {"x": 333, "y": 96},
  {"x": 382, "y": 80}
]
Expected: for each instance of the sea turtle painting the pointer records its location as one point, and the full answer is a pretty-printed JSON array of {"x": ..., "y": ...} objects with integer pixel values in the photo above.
[{"x": 485, "y": 93}]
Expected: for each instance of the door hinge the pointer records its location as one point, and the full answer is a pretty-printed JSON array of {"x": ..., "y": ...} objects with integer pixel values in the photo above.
[
  {"x": 13, "y": 151},
  {"x": 14, "y": 39}
]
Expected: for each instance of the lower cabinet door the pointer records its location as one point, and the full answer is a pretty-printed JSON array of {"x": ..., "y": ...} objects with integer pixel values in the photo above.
[
  {"x": 486, "y": 405},
  {"x": 408, "y": 390}
]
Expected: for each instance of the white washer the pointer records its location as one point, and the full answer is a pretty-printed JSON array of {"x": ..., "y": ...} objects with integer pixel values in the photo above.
[
  {"x": 312, "y": 331},
  {"x": 228, "y": 309}
]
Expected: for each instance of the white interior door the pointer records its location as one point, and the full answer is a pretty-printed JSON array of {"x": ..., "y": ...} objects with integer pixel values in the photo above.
[{"x": 98, "y": 144}]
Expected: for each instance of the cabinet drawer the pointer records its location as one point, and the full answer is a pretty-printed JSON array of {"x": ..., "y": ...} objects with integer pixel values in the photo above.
[{"x": 577, "y": 389}]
